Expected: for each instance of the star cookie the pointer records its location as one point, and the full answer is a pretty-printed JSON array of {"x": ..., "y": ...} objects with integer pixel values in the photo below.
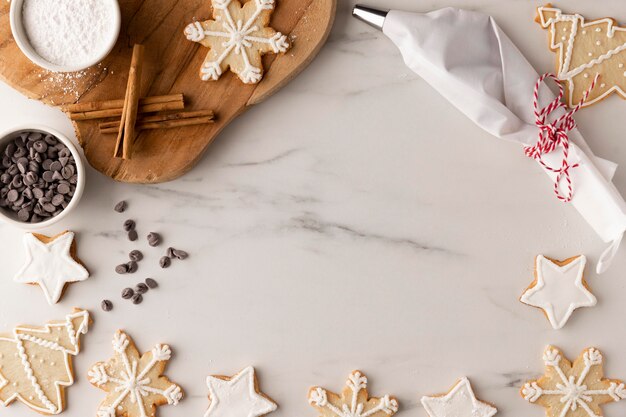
[
  {"x": 354, "y": 400},
  {"x": 36, "y": 362},
  {"x": 51, "y": 263},
  {"x": 135, "y": 384},
  {"x": 573, "y": 390},
  {"x": 237, "y": 38},
  {"x": 460, "y": 401},
  {"x": 559, "y": 289},
  {"x": 237, "y": 396}
]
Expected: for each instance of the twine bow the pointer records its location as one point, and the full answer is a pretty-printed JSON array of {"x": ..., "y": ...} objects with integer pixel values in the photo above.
[{"x": 554, "y": 134}]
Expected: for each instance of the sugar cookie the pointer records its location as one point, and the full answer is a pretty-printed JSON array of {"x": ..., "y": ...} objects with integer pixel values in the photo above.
[
  {"x": 354, "y": 400},
  {"x": 559, "y": 288},
  {"x": 237, "y": 38},
  {"x": 36, "y": 362},
  {"x": 237, "y": 396},
  {"x": 583, "y": 50},
  {"x": 135, "y": 384},
  {"x": 573, "y": 390},
  {"x": 51, "y": 263},
  {"x": 460, "y": 401}
]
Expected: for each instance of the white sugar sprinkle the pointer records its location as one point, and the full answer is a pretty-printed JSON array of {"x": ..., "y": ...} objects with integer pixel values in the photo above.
[{"x": 68, "y": 32}]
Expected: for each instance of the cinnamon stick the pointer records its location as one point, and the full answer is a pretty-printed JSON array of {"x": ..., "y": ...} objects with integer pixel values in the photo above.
[
  {"x": 126, "y": 134},
  {"x": 166, "y": 121},
  {"x": 92, "y": 106}
]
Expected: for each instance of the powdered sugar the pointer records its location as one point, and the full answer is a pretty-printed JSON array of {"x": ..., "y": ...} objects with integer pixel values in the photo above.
[{"x": 69, "y": 32}]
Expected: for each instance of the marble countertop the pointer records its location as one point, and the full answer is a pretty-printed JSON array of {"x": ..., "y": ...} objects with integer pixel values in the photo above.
[{"x": 355, "y": 220}]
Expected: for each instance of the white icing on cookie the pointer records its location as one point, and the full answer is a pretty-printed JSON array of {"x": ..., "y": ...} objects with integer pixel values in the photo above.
[
  {"x": 459, "y": 402},
  {"x": 559, "y": 290},
  {"x": 565, "y": 48},
  {"x": 237, "y": 397},
  {"x": 50, "y": 265}
]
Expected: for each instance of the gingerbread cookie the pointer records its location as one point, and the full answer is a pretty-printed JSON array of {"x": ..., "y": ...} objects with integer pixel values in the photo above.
[
  {"x": 237, "y": 38},
  {"x": 460, "y": 401},
  {"x": 51, "y": 263},
  {"x": 36, "y": 362},
  {"x": 135, "y": 384},
  {"x": 583, "y": 50},
  {"x": 573, "y": 390},
  {"x": 354, "y": 400},
  {"x": 559, "y": 288},
  {"x": 237, "y": 396}
]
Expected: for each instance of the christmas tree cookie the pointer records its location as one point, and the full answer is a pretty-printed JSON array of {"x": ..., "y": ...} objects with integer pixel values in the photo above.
[
  {"x": 134, "y": 383},
  {"x": 354, "y": 400},
  {"x": 237, "y": 38},
  {"x": 573, "y": 390},
  {"x": 36, "y": 362},
  {"x": 584, "y": 50}
]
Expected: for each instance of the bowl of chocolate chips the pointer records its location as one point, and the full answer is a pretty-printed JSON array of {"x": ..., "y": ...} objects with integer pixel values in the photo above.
[{"x": 42, "y": 177}]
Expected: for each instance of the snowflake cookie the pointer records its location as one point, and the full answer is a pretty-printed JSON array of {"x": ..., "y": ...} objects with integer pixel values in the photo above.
[
  {"x": 237, "y": 396},
  {"x": 36, "y": 363},
  {"x": 559, "y": 288},
  {"x": 51, "y": 263},
  {"x": 237, "y": 38},
  {"x": 460, "y": 401},
  {"x": 135, "y": 384},
  {"x": 573, "y": 390},
  {"x": 354, "y": 400},
  {"x": 585, "y": 49}
]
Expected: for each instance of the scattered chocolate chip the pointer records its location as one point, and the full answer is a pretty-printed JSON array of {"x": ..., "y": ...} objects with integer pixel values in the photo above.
[
  {"x": 132, "y": 235},
  {"x": 141, "y": 288},
  {"x": 135, "y": 255},
  {"x": 120, "y": 207},
  {"x": 132, "y": 267},
  {"x": 107, "y": 305},
  {"x": 180, "y": 254},
  {"x": 151, "y": 283},
  {"x": 121, "y": 269},
  {"x": 170, "y": 252},
  {"x": 127, "y": 293},
  {"x": 154, "y": 239},
  {"x": 129, "y": 225},
  {"x": 137, "y": 299},
  {"x": 165, "y": 262}
]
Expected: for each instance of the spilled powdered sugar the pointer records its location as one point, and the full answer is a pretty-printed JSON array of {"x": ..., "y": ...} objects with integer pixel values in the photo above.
[{"x": 69, "y": 32}]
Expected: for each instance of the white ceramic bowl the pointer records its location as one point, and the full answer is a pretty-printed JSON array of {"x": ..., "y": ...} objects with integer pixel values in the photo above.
[
  {"x": 21, "y": 38},
  {"x": 8, "y": 216}
]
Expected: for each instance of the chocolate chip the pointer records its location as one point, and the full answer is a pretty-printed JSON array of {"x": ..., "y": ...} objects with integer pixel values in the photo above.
[
  {"x": 180, "y": 254},
  {"x": 151, "y": 283},
  {"x": 154, "y": 239},
  {"x": 40, "y": 146},
  {"x": 121, "y": 269},
  {"x": 135, "y": 255},
  {"x": 23, "y": 215},
  {"x": 127, "y": 293},
  {"x": 12, "y": 196},
  {"x": 106, "y": 305},
  {"x": 170, "y": 252},
  {"x": 120, "y": 207},
  {"x": 56, "y": 166},
  {"x": 132, "y": 267},
  {"x": 165, "y": 262},
  {"x": 141, "y": 288},
  {"x": 129, "y": 225},
  {"x": 132, "y": 235},
  {"x": 137, "y": 299},
  {"x": 63, "y": 188}
]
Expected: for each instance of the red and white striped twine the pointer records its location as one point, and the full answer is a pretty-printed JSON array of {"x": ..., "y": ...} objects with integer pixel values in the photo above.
[{"x": 554, "y": 134}]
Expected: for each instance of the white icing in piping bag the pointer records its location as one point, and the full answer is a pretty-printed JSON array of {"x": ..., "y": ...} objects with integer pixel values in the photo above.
[{"x": 492, "y": 83}]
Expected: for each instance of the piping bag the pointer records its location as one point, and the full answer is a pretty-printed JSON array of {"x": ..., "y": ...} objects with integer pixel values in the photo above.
[{"x": 492, "y": 83}]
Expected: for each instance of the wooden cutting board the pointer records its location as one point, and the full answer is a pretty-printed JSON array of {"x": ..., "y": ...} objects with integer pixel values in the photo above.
[{"x": 172, "y": 65}]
